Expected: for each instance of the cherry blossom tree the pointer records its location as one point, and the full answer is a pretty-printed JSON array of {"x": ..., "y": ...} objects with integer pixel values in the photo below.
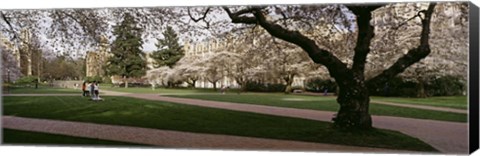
[
  {"x": 353, "y": 96},
  {"x": 289, "y": 62},
  {"x": 246, "y": 57},
  {"x": 164, "y": 76},
  {"x": 364, "y": 43},
  {"x": 217, "y": 66},
  {"x": 152, "y": 77},
  {"x": 191, "y": 69},
  {"x": 449, "y": 42}
]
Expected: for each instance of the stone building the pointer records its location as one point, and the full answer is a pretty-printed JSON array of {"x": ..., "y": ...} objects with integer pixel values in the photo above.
[
  {"x": 5, "y": 43},
  {"x": 10, "y": 60},
  {"x": 26, "y": 52},
  {"x": 95, "y": 61},
  {"x": 20, "y": 54},
  {"x": 202, "y": 49}
]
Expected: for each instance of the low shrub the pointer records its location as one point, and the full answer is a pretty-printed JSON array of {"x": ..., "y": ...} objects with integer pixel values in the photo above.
[
  {"x": 255, "y": 86},
  {"x": 320, "y": 85}
]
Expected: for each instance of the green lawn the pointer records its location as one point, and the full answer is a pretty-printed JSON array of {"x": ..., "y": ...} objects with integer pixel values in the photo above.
[
  {"x": 17, "y": 137},
  {"x": 458, "y": 102},
  {"x": 170, "y": 116},
  {"x": 41, "y": 90},
  {"x": 325, "y": 103}
]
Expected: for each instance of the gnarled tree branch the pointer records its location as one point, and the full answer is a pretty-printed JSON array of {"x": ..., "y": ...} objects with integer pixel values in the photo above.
[
  {"x": 4, "y": 17},
  {"x": 202, "y": 18},
  {"x": 413, "y": 55},
  {"x": 237, "y": 18},
  {"x": 364, "y": 38},
  {"x": 318, "y": 55}
]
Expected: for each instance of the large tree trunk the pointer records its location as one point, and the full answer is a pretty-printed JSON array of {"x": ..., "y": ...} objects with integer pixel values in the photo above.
[
  {"x": 337, "y": 90},
  {"x": 354, "y": 101}
]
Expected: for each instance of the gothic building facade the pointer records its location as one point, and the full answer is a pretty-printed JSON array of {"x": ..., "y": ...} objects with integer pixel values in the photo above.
[
  {"x": 16, "y": 55},
  {"x": 10, "y": 60},
  {"x": 203, "y": 49},
  {"x": 95, "y": 61}
]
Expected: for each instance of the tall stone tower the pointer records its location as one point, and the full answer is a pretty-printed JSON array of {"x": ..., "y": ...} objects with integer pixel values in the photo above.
[
  {"x": 97, "y": 60},
  {"x": 7, "y": 44},
  {"x": 26, "y": 53},
  {"x": 10, "y": 59}
]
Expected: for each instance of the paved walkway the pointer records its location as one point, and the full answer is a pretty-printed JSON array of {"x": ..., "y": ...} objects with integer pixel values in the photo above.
[
  {"x": 174, "y": 139},
  {"x": 448, "y": 137}
]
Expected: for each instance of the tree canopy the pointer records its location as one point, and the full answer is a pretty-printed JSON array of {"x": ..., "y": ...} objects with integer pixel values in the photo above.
[
  {"x": 128, "y": 59},
  {"x": 169, "y": 50}
]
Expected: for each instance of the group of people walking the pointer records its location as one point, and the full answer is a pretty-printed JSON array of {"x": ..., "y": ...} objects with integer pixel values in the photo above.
[{"x": 91, "y": 89}]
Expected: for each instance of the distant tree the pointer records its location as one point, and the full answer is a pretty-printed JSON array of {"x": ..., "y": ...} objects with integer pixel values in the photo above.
[
  {"x": 164, "y": 76},
  {"x": 289, "y": 63},
  {"x": 62, "y": 67},
  {"x": 169, "y": 50},
  {"x": 216, "y": 66},
  {"x": 128, "y": 59},
  {"x": 191, "y": 69}
]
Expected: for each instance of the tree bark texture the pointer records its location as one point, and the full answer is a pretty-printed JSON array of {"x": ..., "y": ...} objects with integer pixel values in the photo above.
[{"x": 354, "y": 100}]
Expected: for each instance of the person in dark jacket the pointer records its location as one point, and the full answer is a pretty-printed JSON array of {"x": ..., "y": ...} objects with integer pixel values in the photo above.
[{"x": 84, "y": 89}]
